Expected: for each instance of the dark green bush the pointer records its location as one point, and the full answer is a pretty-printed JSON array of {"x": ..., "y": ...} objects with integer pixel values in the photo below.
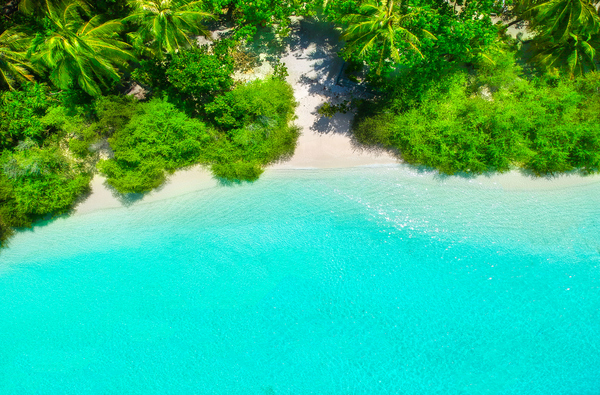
[{"x": 113, "y": 113}]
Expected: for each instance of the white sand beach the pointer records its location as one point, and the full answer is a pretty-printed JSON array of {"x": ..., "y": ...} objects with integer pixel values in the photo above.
[{"x": 313, "y": 67}]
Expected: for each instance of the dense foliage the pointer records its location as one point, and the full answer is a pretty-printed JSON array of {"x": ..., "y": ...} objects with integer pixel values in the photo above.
[
  {"x": 21, "y": 115},
  {"x": 454, "y": 93},
  {"x": 157, "y": 138},
  {"x": 251, "y": 129},
  {"x": 55, "y": 133},
  {"x": 254, "y": 123},
  {"x": 493, "y": 121},
  {"x": 85, "y": 52},
  {"x": 199, "y": 75},
  {"x": 421, "y": 35},
  {"x": 166, "y": 26},
  {"x": 250, "y": 15}
]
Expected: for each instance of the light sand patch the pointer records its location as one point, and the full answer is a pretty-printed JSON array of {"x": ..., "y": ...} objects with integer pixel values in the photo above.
[
  {"x": 314, "y": 66},
  {"x": 180, "y": 183}
]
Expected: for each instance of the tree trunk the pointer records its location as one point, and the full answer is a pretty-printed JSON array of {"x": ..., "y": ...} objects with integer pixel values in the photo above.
[
  {"x": 230, "y": 9},
  {"x": 514, "y": 22}
]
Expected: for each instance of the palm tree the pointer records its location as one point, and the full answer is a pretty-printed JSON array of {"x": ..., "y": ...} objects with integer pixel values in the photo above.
[
  {"x": 75, "y": 50},
  {"x": 557, "y": 19},
  {"x": 567, "y": 35},
  {"x": 166, "y": 25},
  {"x": 35, "y": 6},
  {"x": 379, "y": 24},
  {"x": 576, "y": 55},
  {"x": 13, "y": 62}
]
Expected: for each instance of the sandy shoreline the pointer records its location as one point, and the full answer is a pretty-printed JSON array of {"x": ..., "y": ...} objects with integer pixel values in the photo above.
[{"x": 313, "y": 67}]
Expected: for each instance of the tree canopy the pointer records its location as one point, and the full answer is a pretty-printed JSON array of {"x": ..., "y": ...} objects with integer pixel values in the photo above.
[
  {"x": 14, "y": 65},
  {"x": 87, "y": 52},
  {"x": 166, "y": 26}
]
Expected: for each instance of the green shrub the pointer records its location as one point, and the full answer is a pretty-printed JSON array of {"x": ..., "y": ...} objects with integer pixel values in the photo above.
[
  {"x": 459, "y": 125},
  {"x": 255, "y": 122},
  {"x": 79, "y": 148},
  {"x": 246, "y": 171},
  {"x": 9, "y": 217},
  {"x": 200, "y": 74},
  {"x": 268, "y": 103},
  {"x": 114, "y": 112},
  {"x": 35, "y": 182},
  {"x": 133, "y": 178},
  {"x": 21, "y": 113},
  {"x": 253, "y": 131},
  {"x": 36, "y": 178},
  {"x": 158, "y": 138}
]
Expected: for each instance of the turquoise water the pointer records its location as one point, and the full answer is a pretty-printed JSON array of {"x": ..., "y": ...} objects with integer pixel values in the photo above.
[{"x": 354, "y": 281}]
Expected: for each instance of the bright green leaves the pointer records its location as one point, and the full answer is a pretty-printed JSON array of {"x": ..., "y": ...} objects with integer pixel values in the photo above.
[
  {"x": 492, "y": 123},
  {"x": 166, "y": 26},
  {"x": 250, "y": 15},
  {"x": 383, "y": 25},
  {"x": 14, "y": 65},
  {"x": 43, "y": 180},
  {"x": 34, "y": 182},
  {"x": 201, "y": 75},
  {"x": 21, "y": 115},
  {"x": 254, "y": 131},
  {"x": 37, "y": 177},
  {"x": 255, "y": 121},
  {"x": 87, "y": 53},
  {"x": 388, "y": 35},
  {"x": 158, "y": 138}
]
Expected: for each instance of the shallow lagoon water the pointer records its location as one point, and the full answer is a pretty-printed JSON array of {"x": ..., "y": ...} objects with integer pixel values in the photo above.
[{"x": 348, "y": 281}]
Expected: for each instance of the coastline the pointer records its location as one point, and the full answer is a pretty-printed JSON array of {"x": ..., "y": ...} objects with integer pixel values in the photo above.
[
  {"x": 197, "y": 178},
  {"x": 325, "y": 143}
]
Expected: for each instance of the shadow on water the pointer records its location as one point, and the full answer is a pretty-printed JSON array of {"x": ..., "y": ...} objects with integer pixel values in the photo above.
[
  {"x": 48, "y": 219},
  {"x": 128, "y": 199},
  {"x": 526, "y": 173},
  {"x": 229, "y": 183},
  {"x": 37, "y": 223}
]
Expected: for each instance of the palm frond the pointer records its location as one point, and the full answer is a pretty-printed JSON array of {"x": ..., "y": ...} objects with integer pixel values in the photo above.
[
  {"x": 166, "y": 25},
  {"x": 14, "y": 65},
  {"x": 78, "y": 51},
  {"x": 383, "y": 24}
]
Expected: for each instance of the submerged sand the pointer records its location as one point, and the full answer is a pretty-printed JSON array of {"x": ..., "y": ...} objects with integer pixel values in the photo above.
[{"x": 310, "y": 55}]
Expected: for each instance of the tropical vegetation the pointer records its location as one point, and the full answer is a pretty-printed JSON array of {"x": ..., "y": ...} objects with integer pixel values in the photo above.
[
  {"x": 166, "y": 26},
  {"x": 450, "y": 89},
  {"x": 78, "y": 50}
]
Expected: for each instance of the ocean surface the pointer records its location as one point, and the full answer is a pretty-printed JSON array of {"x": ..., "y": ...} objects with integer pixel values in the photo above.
[{"x": 351, "y": 281}]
